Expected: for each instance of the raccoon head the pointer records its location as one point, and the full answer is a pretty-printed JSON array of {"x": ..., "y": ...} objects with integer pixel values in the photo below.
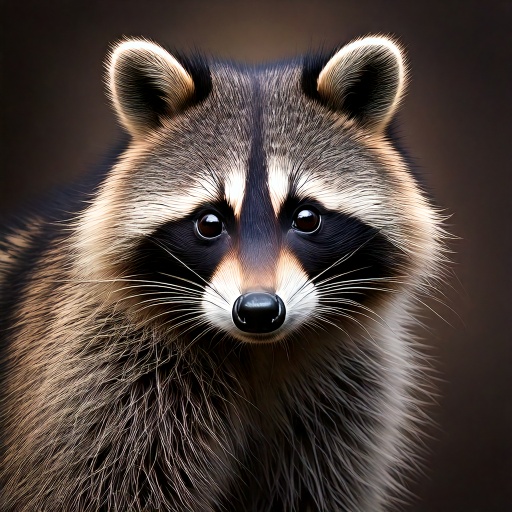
[{"x": 257, "y": 201}]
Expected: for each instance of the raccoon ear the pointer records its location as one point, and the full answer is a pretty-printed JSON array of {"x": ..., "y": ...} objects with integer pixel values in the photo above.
[
  {"x": 146, "y": 83},
  {"x": 365, "y": 80}
]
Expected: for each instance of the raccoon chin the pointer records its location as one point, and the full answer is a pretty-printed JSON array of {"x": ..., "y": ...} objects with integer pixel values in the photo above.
[{"x": 258, "y": 339}]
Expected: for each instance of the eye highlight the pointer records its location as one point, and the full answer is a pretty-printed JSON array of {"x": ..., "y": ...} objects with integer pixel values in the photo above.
[
  {"x": 306, "y": 219},
  {"x": 209, "y": 225}
]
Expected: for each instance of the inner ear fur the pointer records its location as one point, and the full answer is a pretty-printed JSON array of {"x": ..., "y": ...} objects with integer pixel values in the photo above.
[
  {"x": 146, "y": 83},
  {"x": 365, "y": 80}
]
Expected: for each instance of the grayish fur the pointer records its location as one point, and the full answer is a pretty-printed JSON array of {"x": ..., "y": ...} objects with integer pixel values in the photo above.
[{"x": 107, "y": 406}]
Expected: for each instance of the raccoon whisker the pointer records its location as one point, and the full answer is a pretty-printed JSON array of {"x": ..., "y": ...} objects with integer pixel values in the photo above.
[
  {"x": 318, "y": 275},
  {"x": 165, "y": 286},
  {"x": 164, "y": 299},
  {"x": 351, "y": 289},
  {"x": 434, "y": 287},
  {"x": 328, "y": 296},
  {"x": 157, "y": 242},
  {"x": 201, "y": 301},
  {"x": 444, "y": 304},
  {"x": 348, "y": 314},
  {"x": 434, "y": 311},
  {"x": 340, "y": 292},
  {"x": 133, "y": 280},
  {"x": 362, "y": 309},
  {"x": 317, "y": 325},
  {"x": 321, "y": 318},
  {"x": 200, "y": 287},
  {"x": 372, "y": 316},
  {"x": 333, "y": 279},
  {"x": 427, "y": 289},
  {"x": 193, "y": 317},
  {"x": 187, "y": 312},
  {"x": 160, "y": 297},
  {"x": 346, "y": 295},
  {"x": 199, "y": 298},
  {"x": 341, "y": 260},
  {"x": 170, "y": 253},
  {"x": 332, "y": 298},
  {"x": 161, "y": 290},
  {"x": 346, "y": 257},
  {"x": 359, "y": 280},
  {"x": 313, "y": 326},
  {"x": 338, "y": 311},
  {"x": 328, "y": 279},
  {"x": 338, "y": 301},
  {"x": 192, "y": 307},
  {"x": 349, "y": 303}
]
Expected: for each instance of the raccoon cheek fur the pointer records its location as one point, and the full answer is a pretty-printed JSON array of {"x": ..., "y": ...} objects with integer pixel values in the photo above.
[{"x": 224, "y": 322}]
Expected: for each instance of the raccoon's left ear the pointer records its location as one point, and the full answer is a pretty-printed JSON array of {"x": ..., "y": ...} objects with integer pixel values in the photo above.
[
  {"x": 146, "y": 84},
  {"x": 365, "y": 80}
]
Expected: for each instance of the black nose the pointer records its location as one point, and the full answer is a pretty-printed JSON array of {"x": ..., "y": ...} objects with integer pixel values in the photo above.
[{"x": 258, "y": 312}]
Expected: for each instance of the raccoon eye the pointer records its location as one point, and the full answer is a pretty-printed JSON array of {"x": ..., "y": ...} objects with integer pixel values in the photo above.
[
  {"x": 306, "y": 220},
  {"x": 209, "y": 225}
]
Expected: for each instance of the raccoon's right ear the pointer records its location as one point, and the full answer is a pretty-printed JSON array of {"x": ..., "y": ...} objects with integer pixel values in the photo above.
[
  {"x": 365, "y": 80},
  {"x": 146, "y": 83}
]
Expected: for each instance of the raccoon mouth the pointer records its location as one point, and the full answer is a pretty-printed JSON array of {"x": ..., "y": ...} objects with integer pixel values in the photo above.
[{"x": 258, "y": 313}]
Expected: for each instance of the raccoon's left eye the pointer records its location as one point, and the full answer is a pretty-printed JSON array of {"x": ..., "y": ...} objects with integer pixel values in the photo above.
[
  {"x": 209, "y": 225},
  {"x": 306, "y": 219}
]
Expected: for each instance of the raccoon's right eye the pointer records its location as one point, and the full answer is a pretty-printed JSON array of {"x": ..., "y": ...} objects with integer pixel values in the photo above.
[{"x": 209, "y": 226}]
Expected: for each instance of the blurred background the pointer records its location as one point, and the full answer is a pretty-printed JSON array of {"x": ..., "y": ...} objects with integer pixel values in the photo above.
[{"x": 456, "y": 121}]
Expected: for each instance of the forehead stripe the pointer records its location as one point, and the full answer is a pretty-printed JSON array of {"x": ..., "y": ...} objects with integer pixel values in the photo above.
[{"x": 258, "y": 228}]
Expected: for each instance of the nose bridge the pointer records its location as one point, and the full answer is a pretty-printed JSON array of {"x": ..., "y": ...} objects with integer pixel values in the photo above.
[
  {"x": 258, "y": 246},
  {"x": 259, "y": 235}
]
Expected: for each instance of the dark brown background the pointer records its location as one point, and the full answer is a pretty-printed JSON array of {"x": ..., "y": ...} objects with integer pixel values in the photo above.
[{"x": 56, "y": 123}]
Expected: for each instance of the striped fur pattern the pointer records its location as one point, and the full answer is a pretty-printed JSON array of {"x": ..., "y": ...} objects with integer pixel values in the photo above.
[{"x": 125, "y": 384}]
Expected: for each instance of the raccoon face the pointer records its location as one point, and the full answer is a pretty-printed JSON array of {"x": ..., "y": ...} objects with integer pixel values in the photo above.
[{"x": 257, "y": 202}]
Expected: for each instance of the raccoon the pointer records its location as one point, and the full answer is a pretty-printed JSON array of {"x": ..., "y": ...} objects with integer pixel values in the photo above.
[{"x": 225, "y": 322}]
